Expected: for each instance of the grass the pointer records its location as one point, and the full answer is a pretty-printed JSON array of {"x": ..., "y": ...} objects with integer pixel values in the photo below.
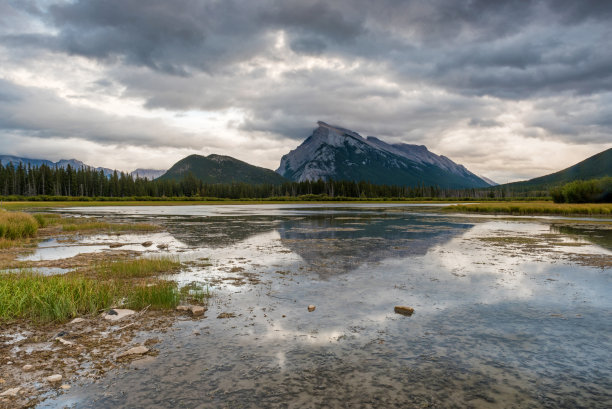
[
  {"x": 17, "y": 225},
  {"x": 194, "y": 292},
  {"x": 78, "y": 225},
  {"x": 535, "y": 208},
  {"x": 137, "y": 268},
  {"x": 41, "y": 299},
  {"x": 161, "y": 295}
]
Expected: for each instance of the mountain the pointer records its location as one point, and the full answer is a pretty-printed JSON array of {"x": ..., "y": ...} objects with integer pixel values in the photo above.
[
  {"x": 147, "y": 173},
  {"x": 221, "y": 169},
  {"x": 332, "y": 152},
  {"x": 77, "y": 164},
  {"x": 597, "y": 166}
]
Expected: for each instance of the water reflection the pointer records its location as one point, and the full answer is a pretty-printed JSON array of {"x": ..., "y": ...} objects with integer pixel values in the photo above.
[{"x": 495, "y": 324}]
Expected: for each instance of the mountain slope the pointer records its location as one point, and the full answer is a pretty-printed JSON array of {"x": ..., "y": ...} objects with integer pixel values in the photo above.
[
  {"x": 76, "y": 164},
  {"x": 597, "y": 166},
  {"x": 332, "y": 152},
  {"x": 221, "y": 169}
]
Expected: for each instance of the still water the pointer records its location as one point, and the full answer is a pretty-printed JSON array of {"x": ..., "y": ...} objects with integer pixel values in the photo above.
[{"x": 508, "y": 313}]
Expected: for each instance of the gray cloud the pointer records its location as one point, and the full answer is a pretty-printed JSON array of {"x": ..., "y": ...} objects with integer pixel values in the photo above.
[
  {"x": 41, "y": 113},
  {"x": 406, "y": 70}
]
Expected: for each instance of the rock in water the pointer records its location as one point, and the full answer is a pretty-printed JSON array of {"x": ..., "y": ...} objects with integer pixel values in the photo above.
[
  {"x": 139, "y": 350},
  {"x": 403, "y": 310},
  {"x": 311, "y": 308},
  {"x": 196, "y": 310},
  {"x": 54, "y": 378}
]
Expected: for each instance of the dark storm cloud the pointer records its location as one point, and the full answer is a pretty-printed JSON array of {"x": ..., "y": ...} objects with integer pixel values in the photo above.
[{"x": 216, "y": 55}]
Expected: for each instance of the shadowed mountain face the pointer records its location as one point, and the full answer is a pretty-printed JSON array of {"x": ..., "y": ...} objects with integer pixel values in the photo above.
[
  {"x": 221, "y": 169},
  {"x": 336, "y": 153}
]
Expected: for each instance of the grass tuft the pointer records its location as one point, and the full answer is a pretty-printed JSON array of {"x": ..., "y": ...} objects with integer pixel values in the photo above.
[
  {"x": 138, "y": 268},
  {"x": 160, "y": 295},
  {"x": 76, "y": 225},
  {"x": 32, "y": 296},
  {"x": 17, "y": 225}
]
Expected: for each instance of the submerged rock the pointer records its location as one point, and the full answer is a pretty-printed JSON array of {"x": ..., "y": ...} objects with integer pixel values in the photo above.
[
  {"x": 226, "y": 315},
  {"x": 311, "y": 308},
  {"x": 54, "y": 378},
  {"x": 197, "y": 310},
  {"x": 147, "y": 244},
  {"x": 403, "y": 310},
  {"x": 139, "y": 350},
  {"x": 116, "y": 314}
]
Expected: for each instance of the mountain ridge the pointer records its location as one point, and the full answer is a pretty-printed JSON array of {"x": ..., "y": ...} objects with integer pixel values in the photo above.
[
  {"x": 334, "y": 152},
  {"x": 77, "y": 164}
]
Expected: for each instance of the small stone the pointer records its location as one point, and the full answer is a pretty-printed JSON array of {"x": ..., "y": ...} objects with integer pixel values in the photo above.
[
  {"x": 11, "y": 392},
  {"x": 77, "y": 320},
  {"x": 54, "y": 378},
  {"x": 139, "y": 350},
  {"x": 147, "y": 244},
  {"x": 65, "y": 387},
  {"x": 183, "y": 308},
  {"x": 311, "y": 308},
  {"x": 27, "y": 367},
  {"x": 403, "y": 310},
  {"x": 163, "y": 246},
  {"x": 116, "y": 314},
  {"x": 197, "y": 310},
  {"x": 226, "y": 315},
  {"x": 64, "y": 341}
]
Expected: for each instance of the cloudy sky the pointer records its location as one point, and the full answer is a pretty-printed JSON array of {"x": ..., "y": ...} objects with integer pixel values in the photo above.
[{"x": 511, "y": 89}]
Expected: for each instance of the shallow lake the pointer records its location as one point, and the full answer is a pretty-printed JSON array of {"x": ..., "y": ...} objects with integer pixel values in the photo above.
[{"x": 508, "y": 312}]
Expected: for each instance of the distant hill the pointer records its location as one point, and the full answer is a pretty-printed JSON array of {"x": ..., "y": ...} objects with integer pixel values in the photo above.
[
  {"x": 221, "y": 169},
  {"x": 332, "y": 152},
  {"x": 76, "y": 164},
  {"x": 597, "y": 166}
]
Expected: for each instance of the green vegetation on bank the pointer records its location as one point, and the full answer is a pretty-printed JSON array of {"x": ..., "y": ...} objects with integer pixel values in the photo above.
[
  {"x": 584, "y": 191},
  {"x": 17, "y": 225},
  {"x": 138, "y": 268},
  {"x": 534, "y": 208},
  {"x": 133, "y": 284}
]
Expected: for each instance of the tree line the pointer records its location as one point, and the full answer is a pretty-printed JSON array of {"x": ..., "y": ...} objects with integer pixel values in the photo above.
[{"x": 70, "y": 182}]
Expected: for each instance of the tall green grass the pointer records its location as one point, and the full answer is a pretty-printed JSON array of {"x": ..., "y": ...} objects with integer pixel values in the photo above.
[
  {"x": 160, "y": 295},
  {"x": 39, "y": 298},
  {"x": 43, "y": 299},
  {"x": 138, "y": 268},
  {"x": 17, "y": 225}
]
